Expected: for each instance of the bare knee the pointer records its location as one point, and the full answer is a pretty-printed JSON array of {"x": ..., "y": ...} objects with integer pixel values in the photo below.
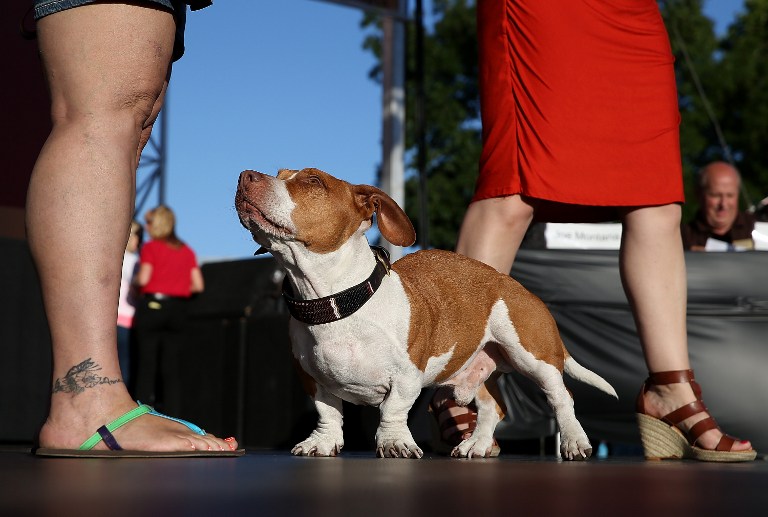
[
  {"x": 488, "y": 223},
  {"x": 653, "y": 220},
  {"x": 509, "y": 212},
  {"x": 134, "y": 108},
  {"x": 119, "y": 119}
]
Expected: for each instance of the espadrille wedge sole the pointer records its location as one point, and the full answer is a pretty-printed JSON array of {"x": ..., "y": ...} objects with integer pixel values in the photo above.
[{"x": 660, "y": 441}]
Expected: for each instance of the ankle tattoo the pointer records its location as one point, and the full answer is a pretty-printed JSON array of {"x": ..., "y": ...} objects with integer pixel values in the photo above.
[{"x": 80, "y": 377}]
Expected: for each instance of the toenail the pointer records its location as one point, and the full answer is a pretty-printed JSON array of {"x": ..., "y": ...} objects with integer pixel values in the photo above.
[{"x": 230, "y": 439}]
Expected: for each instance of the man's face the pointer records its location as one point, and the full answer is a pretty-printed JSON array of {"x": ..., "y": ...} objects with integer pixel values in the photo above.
[{"x": 720, "y": 200}]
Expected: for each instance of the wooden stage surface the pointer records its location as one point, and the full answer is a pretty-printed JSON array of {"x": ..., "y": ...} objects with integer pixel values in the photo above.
[{"x": 267, "y": 483}]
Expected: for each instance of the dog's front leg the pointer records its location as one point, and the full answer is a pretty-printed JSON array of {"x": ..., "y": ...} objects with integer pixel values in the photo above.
[
  {"x": 393, "y": 438},
  {"x": 327, "y": 439}
]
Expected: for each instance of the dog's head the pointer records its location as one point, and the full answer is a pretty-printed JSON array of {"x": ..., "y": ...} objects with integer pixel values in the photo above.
[{"x": 313, "y": 208}]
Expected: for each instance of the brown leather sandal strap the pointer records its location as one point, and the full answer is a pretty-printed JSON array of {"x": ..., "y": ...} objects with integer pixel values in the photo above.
[
  {"x": 726, "y": 443},
  {"x": 448, "y": 422},
  {"x": 699, "y": 428},
  {"x": 456, "y": 420},
  {"x": 683, "y": 412},
  {"x": 670, "y": 377}
]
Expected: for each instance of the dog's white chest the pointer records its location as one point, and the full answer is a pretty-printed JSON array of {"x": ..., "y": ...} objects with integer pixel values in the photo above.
[{"x": 355, "y": 366}]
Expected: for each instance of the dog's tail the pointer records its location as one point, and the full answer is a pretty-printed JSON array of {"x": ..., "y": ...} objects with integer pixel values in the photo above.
[{"x": 578, "y": 372}]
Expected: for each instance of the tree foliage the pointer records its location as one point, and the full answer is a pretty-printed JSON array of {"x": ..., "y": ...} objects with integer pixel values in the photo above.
[
  {"x": 693, "y": 43},
  {"x": 744, "y": 95},
  {"x": 452, "y": 117},
  {"x": 722, "y": 89}
]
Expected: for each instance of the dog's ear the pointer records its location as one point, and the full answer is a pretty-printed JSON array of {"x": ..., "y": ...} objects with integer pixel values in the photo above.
[{"x": 394, "y": 224}]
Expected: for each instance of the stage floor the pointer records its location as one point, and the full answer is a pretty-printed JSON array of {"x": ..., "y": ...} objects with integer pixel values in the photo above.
[{"x": 269, "y": 483}]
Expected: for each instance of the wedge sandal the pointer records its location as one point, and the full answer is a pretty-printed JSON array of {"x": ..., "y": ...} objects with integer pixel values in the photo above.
[{"x": 662, "y": 438}]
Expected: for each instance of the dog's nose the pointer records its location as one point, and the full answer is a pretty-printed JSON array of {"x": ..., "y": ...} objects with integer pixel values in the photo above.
[{"x": 249, "y": 177}]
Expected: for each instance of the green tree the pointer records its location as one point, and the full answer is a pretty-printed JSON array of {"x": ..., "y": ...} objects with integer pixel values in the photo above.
[
  {"x": 695, "y": 46},
  {"x": 722, "y": 89},
  {"x": 452, "y": 116},
  {"x": 744, "y": 70}
]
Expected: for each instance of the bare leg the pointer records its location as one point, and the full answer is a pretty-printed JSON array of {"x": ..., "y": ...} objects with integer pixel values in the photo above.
[
  {"x": 653, "y": 274},
  {"x": 107, "y": 67},
  {"x": 493, "y": 229}
]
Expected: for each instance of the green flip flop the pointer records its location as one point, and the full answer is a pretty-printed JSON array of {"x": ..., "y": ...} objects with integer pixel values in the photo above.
[{"x": 104, "y": 433}]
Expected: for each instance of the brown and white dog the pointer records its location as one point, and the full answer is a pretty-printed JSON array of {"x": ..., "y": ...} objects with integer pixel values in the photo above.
[{"x": 366, "y": 334}]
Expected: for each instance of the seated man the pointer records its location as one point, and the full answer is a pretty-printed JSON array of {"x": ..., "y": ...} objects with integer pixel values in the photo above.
[{"x": 719, "y": 225}]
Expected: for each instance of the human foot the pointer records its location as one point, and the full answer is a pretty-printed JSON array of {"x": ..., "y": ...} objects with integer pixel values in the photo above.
[
  {"x": 673, "y": 399},
  {"x": 455, "y": 423},
  {"x": 81, "y": 404},
  {"x": 112, "y": 448}
]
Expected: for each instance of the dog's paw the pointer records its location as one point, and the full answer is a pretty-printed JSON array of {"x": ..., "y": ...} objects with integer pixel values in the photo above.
[
  {"x": 318, "y": 445},
  {"x": 474, "y": 447},
  {"x": 397, "y": 445},
  {"x": 399, "y": 449},
  {"x": 576, "y": 449}
]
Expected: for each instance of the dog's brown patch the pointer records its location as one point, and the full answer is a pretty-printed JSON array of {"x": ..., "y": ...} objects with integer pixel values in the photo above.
[{"x": 467, "y": 290}]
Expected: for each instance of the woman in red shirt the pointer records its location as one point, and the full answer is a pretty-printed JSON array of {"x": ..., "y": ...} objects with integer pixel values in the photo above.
[{"x": 168, "y": 276}]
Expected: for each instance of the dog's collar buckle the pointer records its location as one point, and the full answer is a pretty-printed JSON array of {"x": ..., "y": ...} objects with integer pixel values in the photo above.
[{"x": 338, "y": 306}]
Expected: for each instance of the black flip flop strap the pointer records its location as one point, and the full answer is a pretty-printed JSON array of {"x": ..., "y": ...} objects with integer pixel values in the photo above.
[{"x": 109, "y": 440}]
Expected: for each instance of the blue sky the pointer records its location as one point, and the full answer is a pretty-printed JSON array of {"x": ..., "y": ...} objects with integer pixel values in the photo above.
[{"x": 271, "y": 84}]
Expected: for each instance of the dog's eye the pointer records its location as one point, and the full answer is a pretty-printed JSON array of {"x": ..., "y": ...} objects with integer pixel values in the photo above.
[{"x": 314, "y": 180}]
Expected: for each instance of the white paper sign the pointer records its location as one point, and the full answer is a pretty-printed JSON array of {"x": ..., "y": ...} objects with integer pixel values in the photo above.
[{"x": 584, "y": 236}]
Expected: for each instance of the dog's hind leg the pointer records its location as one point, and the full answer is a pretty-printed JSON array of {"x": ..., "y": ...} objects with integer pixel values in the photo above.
[{"x": 574, "y": 443}]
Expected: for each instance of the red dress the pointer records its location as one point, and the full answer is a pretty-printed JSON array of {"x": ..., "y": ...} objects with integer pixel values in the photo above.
[{"x": 579, "y": 106}]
